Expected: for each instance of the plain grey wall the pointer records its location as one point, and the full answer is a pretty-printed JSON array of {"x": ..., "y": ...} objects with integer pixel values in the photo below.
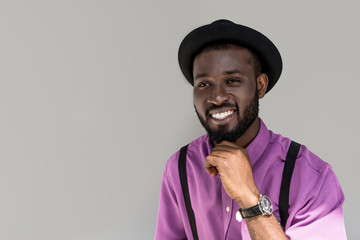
[{"x": 92, "y": 104}]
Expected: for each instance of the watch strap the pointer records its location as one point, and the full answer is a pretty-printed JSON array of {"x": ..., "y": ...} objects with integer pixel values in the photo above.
[{"x": 251, "y": 211}]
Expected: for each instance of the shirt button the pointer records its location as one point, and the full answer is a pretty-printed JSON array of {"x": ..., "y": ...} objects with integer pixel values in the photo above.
[{"x": 227, "y": 209}]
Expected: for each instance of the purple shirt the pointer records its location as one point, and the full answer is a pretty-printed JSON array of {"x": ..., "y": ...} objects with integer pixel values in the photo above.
[{"x": 315, "y": 204}]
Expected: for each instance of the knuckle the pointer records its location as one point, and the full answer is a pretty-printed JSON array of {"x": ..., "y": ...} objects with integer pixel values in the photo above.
[{"x": 239, "y": 152}]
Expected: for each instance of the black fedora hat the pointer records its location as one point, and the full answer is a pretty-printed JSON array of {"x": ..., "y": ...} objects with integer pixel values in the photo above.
[{"x": 225, "y": 31}]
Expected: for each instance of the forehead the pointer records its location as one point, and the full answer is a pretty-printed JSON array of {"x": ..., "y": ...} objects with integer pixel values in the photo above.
[{"x": 223, "y": 59}]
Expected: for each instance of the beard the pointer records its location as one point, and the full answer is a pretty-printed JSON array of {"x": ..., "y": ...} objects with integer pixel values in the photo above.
[{"x": 223, "y": 133}]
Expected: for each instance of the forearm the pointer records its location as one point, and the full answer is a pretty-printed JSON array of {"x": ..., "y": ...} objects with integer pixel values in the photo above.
[
  {"x": 265, "y": 227},
  {"x": 261, "y": 226}
]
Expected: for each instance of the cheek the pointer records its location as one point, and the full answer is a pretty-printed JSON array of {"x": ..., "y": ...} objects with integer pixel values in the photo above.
[
  {"x": 243, "y": 99},
  {"x": 199, "y": 102},
  {"x": 197, "y": 97}
]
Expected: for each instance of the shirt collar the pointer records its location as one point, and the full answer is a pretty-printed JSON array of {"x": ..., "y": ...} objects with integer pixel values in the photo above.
[{"x": 258, "y": 145}]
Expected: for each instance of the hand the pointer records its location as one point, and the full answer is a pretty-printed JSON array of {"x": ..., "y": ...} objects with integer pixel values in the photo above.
[{"x": 232, "y": 163}]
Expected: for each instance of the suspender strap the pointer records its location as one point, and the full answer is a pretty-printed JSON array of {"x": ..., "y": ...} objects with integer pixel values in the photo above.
[
  {"x": 185, "y": 189},
  {"x": 285, "y": 183}
]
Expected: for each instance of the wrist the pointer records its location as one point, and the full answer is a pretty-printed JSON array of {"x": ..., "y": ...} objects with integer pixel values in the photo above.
[
  {"x": 264, "y": 207},
  {"x": 248, "y": 200}
]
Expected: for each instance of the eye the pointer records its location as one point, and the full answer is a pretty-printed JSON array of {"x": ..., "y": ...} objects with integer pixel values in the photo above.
[
  {"x": 234, "y": 81},
  {"x": 203, "y": 84}
]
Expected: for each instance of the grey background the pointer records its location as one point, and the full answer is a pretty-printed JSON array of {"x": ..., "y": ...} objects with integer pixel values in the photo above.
[{"x": 92, "y": 104}]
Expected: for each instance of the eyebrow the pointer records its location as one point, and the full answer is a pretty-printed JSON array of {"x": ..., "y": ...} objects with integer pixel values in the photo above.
[
  {"x": 200, "y": 75},
  {"x": 230, "y": 72}
]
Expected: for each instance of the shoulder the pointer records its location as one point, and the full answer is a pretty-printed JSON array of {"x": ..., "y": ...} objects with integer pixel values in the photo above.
[
  {"x": 305, "y": 158},
  {"x": 315, "y": 191},
  {"x": 310, "y": 170},
  {"x": 313, "y": 181},
  {"x": 316, "y": 175}
]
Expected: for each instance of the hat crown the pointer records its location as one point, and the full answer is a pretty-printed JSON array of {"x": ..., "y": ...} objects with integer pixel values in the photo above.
[{"x": 222, "y": 21}]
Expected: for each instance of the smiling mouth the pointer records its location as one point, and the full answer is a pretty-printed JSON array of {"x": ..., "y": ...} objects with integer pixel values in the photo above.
[{"x": 222, "y": 115}]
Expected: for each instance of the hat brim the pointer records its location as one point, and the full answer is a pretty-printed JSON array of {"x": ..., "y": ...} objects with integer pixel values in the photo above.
[{"x": 224, "y": 31}]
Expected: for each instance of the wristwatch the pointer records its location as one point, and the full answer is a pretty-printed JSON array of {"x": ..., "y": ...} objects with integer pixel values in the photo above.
[{"x": 264, "y": 207}]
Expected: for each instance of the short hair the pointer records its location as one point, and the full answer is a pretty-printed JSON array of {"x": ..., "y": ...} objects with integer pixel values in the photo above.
[{"x": 255, "y": 61}]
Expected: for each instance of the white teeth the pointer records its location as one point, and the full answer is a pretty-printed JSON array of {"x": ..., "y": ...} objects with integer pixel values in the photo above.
[{"x": 222, "y": 115}]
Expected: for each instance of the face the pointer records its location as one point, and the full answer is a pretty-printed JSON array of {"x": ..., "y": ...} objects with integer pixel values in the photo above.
[{"x": 225, "y": 92}]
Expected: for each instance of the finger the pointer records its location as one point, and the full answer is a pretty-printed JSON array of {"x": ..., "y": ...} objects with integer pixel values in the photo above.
[
  {"x": 227, "y": 143},
  {"x": 212, "y": 171},
  {"x": 225, "y": 147},
  {"x": 229, "y": 149},
  {"x": 221, "y": 155},
  {"x": 222, "y": 149},
  {"x": 210, "y": 168},
  {"x": 210, "y": 161},
  {"x": 213, "y": 160}
]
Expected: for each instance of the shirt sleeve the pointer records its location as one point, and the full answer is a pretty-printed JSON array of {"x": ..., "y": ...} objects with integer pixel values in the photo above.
[
  {"x": 318, "y": 214},
  {"x": 169, "y": 221}
]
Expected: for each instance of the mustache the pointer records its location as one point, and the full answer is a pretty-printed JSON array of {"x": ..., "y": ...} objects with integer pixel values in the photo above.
[{"x": 214, "y": 107}]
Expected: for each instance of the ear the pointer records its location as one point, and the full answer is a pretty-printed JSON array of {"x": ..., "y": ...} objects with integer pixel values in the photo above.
[{"x": 262, "y": 82}]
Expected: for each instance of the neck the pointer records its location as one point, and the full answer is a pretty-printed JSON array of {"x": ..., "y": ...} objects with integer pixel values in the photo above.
[{"x": 249, "y": 135}]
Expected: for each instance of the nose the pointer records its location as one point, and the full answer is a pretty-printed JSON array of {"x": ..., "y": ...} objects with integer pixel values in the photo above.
[{"x": 218, "y": 96}]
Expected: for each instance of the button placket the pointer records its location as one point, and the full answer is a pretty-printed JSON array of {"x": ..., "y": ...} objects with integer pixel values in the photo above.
[{"x": 227, "y": 210}]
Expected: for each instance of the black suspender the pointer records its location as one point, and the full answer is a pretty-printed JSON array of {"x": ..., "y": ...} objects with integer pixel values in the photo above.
[
  {"x": 285, "y": 182},
  {"x": 284, "y": 191},
  {"x": 185, "y": 189}
]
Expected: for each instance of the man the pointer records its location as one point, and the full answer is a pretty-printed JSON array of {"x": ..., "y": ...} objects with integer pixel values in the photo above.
[{"x": 235, "y": 172}]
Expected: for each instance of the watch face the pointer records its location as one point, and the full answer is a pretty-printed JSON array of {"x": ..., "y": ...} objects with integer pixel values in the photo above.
[{"x": 266, "y": 205}]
